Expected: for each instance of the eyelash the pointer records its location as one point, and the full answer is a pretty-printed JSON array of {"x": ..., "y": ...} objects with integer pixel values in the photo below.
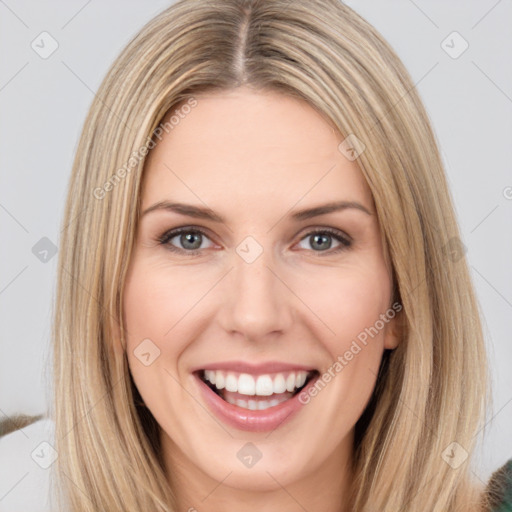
[{"x": 169, "y": 235}]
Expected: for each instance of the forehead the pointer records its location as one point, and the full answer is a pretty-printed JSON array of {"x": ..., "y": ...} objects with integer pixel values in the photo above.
[{"x": 248, "y": 145}]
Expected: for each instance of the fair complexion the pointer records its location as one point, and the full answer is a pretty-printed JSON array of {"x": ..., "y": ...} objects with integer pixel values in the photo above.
[{"x": 255, "y": 159}]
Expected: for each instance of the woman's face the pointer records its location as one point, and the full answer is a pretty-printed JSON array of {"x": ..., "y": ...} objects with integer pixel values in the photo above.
[{"x": 260, "y": 290}]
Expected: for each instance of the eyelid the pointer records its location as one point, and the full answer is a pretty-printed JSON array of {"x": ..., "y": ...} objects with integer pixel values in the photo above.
[
  {"x": 344, "y": 239},
  {"x": 173, "y": 232},
  {"x": 326, "y": 229}
]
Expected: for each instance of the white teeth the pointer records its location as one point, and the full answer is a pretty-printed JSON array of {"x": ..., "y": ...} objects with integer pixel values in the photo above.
[
  {"x": 246, "y": 384},
  {"x": 210, "y": 375},
  {"x": 279, "y": 383},
  {"x": 263, "y": 385},
  {"x": 231, "y": 382},
  {"x": 301, "y": 378},
  {"x": 252, "y": 405},
  {"x": 290, "y": 382},
  {"x": 219, "y": 380}
]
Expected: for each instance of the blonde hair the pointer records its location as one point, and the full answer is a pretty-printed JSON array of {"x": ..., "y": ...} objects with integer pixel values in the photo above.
[{"x": 432, "y": 390}]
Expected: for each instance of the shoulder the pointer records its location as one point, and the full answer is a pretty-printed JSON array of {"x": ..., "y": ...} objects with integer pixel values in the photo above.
[
  {"x": 26, "y": 458},
  {"x": 499, "y": 488}
]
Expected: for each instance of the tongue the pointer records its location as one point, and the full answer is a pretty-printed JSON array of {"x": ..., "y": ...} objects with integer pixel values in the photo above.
[{"x": 233, "y": 395}]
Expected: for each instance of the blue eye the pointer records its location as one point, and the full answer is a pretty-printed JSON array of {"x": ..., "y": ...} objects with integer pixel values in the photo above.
[
  {"x": 321, "y": 238},
  {"x": 188, "y": 237},
  {"x": 191, "y": 240}
]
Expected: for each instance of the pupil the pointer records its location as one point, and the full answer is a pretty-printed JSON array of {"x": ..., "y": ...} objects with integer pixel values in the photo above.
[
  {"x": 187, "y": 239},
  {"x": 323, "y": 238}
]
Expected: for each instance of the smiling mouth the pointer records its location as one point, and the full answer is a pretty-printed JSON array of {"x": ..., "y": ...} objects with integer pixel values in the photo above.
[{"x": 256, "y": 392}]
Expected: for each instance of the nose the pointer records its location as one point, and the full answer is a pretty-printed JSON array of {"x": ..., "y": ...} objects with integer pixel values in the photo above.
[{"x": 258, "y": 304}]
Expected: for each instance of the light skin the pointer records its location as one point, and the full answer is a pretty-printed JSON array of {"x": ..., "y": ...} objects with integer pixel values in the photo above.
[{"x": 256, "y": 158}]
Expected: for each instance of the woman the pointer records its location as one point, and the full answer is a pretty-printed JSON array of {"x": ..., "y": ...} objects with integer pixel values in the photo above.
[{"x": 259, "y": 368}]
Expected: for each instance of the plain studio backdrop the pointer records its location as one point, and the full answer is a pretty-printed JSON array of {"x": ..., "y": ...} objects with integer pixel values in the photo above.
[{"x": 458, "y": 53}]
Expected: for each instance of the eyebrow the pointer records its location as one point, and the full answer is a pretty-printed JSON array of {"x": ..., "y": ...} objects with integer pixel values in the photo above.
[{"x": 199, "y": 212}]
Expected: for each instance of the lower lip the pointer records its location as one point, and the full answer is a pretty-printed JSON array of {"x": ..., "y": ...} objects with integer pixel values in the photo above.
[{"x": 246, "y": 419}]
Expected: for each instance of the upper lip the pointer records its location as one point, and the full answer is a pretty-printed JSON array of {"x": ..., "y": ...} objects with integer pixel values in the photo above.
[{"x": 255, "y": 369}]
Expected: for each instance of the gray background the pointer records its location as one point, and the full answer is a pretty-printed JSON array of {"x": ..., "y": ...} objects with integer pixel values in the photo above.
[{"x": 44, "y": 102}]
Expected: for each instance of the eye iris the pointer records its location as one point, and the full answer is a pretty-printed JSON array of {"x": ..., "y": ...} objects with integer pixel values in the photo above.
[
  {"x": 188, "y": 238},
  {"x": 323, "y": 238}
]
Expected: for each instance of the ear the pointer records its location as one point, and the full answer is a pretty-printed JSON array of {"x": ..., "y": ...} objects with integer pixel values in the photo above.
[{"x": 394, "y": 330}]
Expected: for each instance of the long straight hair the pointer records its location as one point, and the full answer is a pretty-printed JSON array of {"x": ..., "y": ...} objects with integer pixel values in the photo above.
[{"x": 415, "y": 441}]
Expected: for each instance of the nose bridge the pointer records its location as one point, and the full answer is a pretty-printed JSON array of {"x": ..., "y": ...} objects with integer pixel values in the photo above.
[{"x": 258, "y": 302}]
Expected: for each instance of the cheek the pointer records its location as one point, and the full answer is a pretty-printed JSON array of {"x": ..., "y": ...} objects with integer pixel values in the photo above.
[
  {"x": 154, "y": 304},
  {"x": 352, "y": 304},
  {"x": 349, "y": 303},
  {"x": 152, "y": 310}
]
